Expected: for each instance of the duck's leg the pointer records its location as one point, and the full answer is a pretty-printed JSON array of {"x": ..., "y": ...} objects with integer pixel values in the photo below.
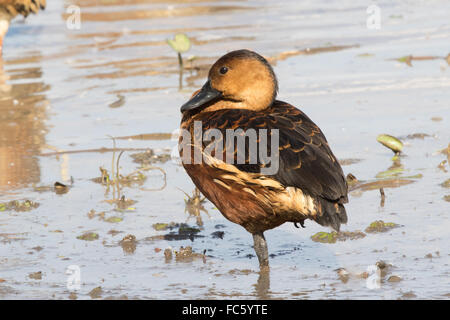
[{"x": 261, "y": 250}]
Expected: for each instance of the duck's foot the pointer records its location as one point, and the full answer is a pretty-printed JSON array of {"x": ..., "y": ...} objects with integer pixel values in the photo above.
[
  {"x": 302, "y": 223},
  {"x": 261, "y": 250}
]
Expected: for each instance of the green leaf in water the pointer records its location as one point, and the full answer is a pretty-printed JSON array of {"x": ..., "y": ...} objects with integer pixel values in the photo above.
[
  {"x": 160, "y": 226},
  {"x": 390, "y": 142},
  {"x": 180, "y": 43},
  {"x": 88, "y": 236},
  {"x": 404, "y": 59},
  {"x": 324, "y": 237},
  {"x": 446, "y": 183},
  {"x": 114, "y": 219},
  {"x": 380, "y": 226},
  {"x": 390, "y": 173}
]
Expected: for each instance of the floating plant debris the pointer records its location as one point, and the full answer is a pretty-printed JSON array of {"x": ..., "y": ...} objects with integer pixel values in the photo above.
[
  {"x": 365, "y": 55},
  {"x": 60, "y": 188},
  {"x": 417, "y": 136},
  {"x": 35, "y": 275},
  {"x": 160, "y": 226},
  {"x": 350, "y": 161},
  {"x": 18, "y": 206},
  {"x": 384, "y": 183},
  {"x": 343, "y": 274},
  {"x": 332, "y": 237},
  {"x": 381, "y": 226},
  {"x": 408, "y": 59},
  {"x": 88, "y": 236},
  {"x": 149, "y": 157},
  {"x": 394, "y": 279},
  {"x": 184, "y": 232},
  {"x": 185, "y": 254},
  {"x": 168, "y": 254},
  {"x": 96, "y": 293},
  {"x": 114, "y": 219},
  {"x": 390, "y": 142},
  {"x": 446, "y": 183},
  {"x": 442, "y": 165},
  {"x": 118, "y": 103},
  {"x": 128, "y": 244},
  {"x": 394, "y": 171},
  {"x": 147, "y": 136},
  {"x": 308, "y": 51},
  {"x": 351, "y": 179}
]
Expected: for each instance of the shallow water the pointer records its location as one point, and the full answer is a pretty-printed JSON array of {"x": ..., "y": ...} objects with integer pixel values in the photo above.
[{"x": 63, "y": 90}]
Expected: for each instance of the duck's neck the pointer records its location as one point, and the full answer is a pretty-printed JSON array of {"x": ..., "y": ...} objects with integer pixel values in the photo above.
[{"x": 246, "y": 105}]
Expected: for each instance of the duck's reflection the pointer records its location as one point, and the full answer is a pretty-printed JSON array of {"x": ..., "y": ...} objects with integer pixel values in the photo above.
[
  {"x": 262, "y": 286},
  {"x": 23, "y": 107}
]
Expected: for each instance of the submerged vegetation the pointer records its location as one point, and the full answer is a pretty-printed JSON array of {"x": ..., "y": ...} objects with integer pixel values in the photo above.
[
  {"x": 115, "y": 181},
  {"x": 19, "y": 206}
]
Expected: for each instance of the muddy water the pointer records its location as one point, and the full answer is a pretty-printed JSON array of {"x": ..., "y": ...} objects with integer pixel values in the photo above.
[{"x": 69, "y": 90}]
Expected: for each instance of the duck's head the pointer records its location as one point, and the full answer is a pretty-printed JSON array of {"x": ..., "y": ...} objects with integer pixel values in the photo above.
[{"x": 240, "y": 79}]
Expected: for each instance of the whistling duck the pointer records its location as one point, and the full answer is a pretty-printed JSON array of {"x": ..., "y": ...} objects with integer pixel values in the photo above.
[
  {"x": 9, "y": 9},
  {"x": 309, "y": 183}
]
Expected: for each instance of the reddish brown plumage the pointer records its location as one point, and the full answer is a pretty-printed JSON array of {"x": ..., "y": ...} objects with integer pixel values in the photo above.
[
  {"x": 237, "y": 206},
  {"x": 309, "y": 183}
]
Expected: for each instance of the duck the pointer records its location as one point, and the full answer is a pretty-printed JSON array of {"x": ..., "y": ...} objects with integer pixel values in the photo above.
[
  {"x": 301, "y": 181},
  {"x": 9, "y": 9}
]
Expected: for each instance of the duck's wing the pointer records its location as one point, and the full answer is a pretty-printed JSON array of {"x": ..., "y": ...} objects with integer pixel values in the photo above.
[
  {"x": 305, "y": 158},
  {"x": 23, "y": 7}
]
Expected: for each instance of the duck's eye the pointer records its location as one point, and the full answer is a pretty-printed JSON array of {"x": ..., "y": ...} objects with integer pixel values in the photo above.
[{"x": 223, "y": 70}]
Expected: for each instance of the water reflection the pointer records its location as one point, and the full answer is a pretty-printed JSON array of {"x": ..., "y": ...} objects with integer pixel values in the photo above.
[
  {"x": 262, "y": 286},
  {"x": 138, "y": 47},
  {"x": 119, "y": 77},
  {"x": 22, "y": 121},
  {"x": 395, "y": 170},
  {"x": 186, "y": 9}
]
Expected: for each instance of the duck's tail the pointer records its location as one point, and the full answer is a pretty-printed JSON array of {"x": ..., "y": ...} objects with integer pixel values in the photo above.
[{"x": 332, "y": 214}]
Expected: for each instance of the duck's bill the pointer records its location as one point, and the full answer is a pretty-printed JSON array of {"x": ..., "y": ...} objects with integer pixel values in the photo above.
[{"x": 206, "y": 95}]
